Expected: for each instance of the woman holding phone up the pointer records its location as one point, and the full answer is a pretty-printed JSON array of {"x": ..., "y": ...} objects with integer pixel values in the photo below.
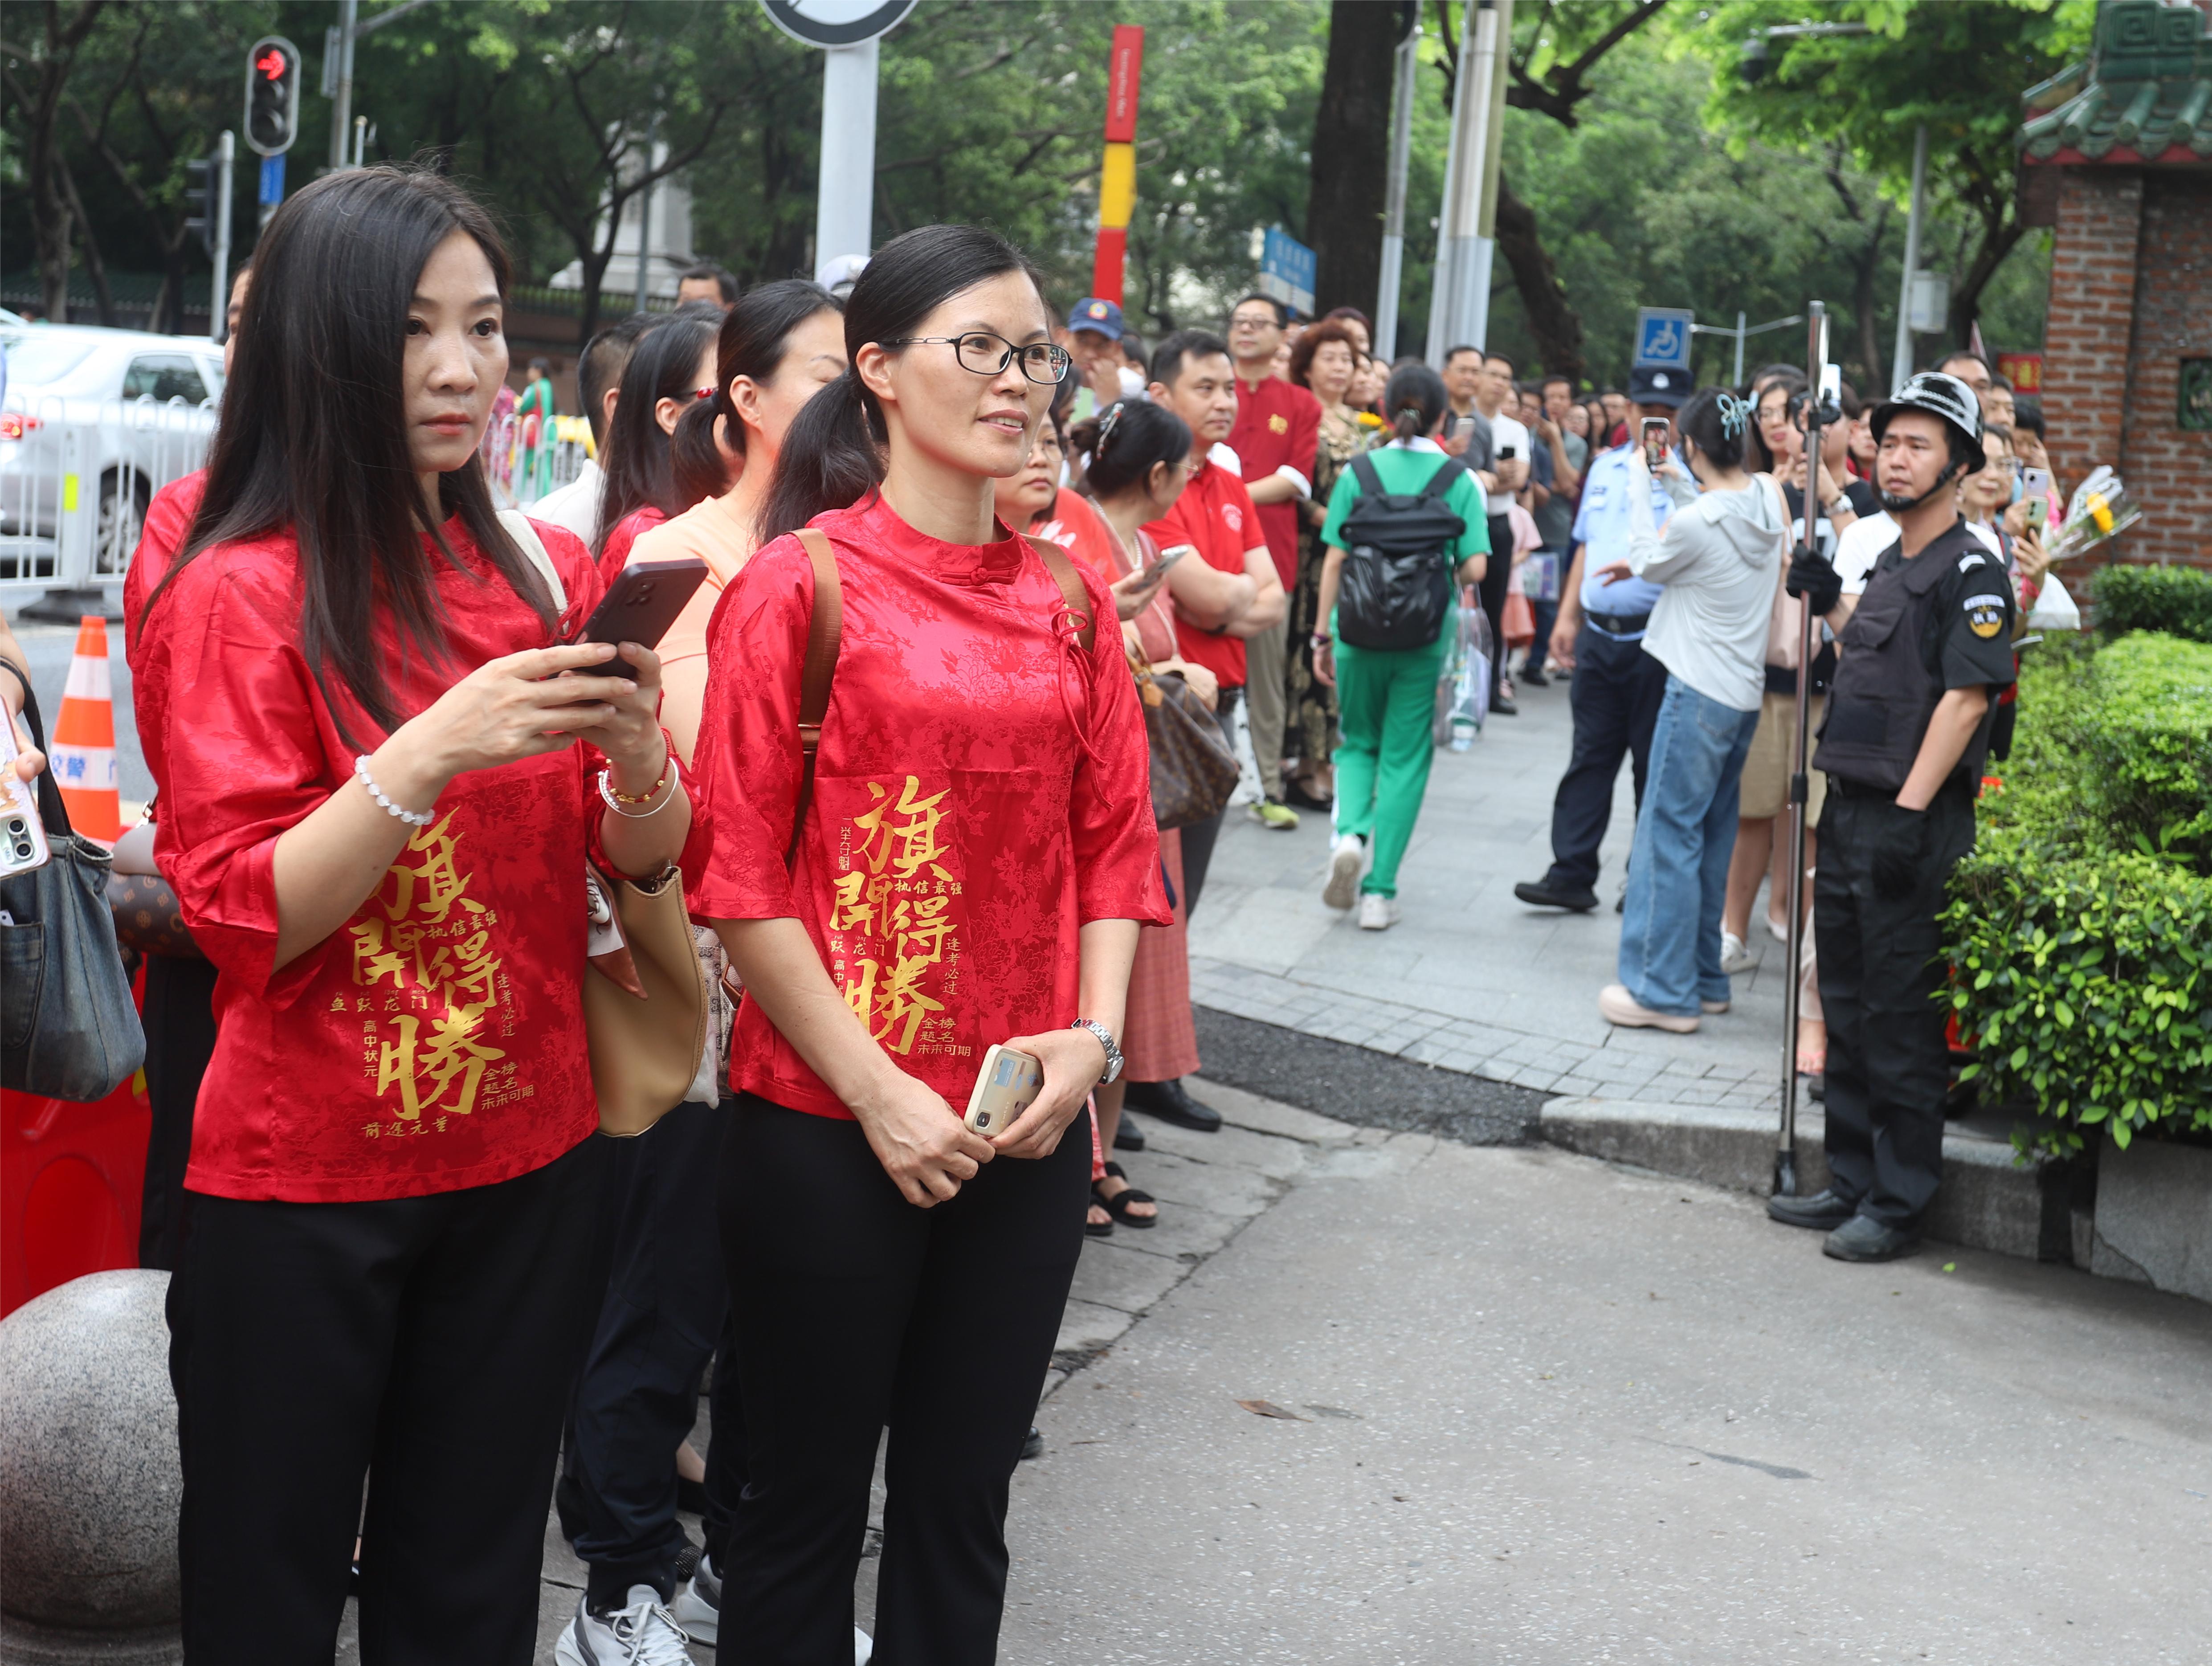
[
  {"x": 376, "y": 815},
  {"x": 971, "y": 866}
]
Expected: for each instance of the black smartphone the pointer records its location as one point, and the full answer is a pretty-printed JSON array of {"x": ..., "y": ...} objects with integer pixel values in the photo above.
[
  {"x": 643, "y": 602},
  {"x": 1505, "y": 454}
]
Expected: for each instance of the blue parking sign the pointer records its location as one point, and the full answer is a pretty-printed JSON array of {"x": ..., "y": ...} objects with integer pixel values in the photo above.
[{"x": 1663, "y": 339}]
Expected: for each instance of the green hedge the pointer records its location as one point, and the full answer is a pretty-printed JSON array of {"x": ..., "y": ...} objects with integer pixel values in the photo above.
[
  {"x": 2080, "y": 931},
  {"x": 2177, "y": 600}
]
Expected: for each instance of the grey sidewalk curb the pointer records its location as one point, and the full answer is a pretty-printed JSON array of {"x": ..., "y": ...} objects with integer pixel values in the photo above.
[{"x": 1988, "y": 1200}]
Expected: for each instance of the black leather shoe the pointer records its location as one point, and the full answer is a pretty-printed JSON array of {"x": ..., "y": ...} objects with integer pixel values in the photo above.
[
  {"x": 1864, "y": 1238},
  {"x": 1167, "y": 1101},
  {"x": 1502, "y": 703},
  {"x": 1128, "y": 1136},
  {"x": 1033, "y": 1447},
  {"x": 1823, "y": 1212},
  {"x": 1535, "y": 679},
  {"x": 1543, "y": 894}
]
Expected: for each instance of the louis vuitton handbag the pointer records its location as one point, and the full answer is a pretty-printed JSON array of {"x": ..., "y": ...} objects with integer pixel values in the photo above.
[{"x": 1193, "y": 770}]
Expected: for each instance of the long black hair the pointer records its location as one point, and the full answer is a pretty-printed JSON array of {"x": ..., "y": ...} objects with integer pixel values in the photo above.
[
  {"x": 640, "y": 473},
  {"x": 1414, "y": 401},
  {"x": 833, "y": 455},
  {"x": 1127, "y": 442},
  {"x": 756, "y": 333},
  {"x": 314, "y": 428}
]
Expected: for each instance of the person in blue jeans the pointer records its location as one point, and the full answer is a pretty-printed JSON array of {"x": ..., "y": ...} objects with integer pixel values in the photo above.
[{"x": 1717, "y": 564}]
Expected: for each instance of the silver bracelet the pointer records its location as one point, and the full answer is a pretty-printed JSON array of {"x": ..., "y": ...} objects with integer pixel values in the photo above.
[
  {"x": 675, "y": 779},
  {"x": 412, "y": 818}
]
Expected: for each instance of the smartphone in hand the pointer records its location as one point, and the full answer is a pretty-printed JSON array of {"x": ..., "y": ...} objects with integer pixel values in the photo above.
[
  {"x": 1655, "y": 442},
  {"x": 644, "y": 600},
  {"x": 22, "y": 834},
  {"x": 1007, "y": 1085}
]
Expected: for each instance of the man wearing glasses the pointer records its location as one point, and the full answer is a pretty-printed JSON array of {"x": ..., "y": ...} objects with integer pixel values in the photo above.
[{"x": 1277, "y": 427}]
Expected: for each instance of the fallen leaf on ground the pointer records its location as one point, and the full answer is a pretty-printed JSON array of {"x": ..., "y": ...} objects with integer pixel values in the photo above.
[{"x": 1269, "y": 1408}]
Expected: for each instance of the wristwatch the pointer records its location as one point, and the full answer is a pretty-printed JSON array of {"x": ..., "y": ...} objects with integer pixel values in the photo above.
[
  {"x": 1322, "y": 639},
  {"x": 1105, "y": 1040}
]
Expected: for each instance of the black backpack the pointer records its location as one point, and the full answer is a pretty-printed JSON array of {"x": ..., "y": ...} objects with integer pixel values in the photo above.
[{"x": 1396, "y": 584}]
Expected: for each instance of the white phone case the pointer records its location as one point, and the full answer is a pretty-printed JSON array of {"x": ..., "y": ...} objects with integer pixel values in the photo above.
[
  {"x": 1007, "y": 1085},
  {"x": 22, "y": 835}
]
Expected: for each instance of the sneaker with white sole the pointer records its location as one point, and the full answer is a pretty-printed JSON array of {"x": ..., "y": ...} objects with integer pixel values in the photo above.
[
  {"x": 698, "y": 1606},
  {"x": 1734, "y": 958},
  {"x": 864, "y": 1646},
  {"x": 1348, "y": 860},
  {"x": 1377, "y": 913},
  {"x": 642, "y": 1633},
  {"x": 1617, "y": 1005},
  {"x": 1279, "y": 817}
]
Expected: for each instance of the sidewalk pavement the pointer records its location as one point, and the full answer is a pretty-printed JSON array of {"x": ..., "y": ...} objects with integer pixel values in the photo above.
[{"x": 1471, "y": 979}]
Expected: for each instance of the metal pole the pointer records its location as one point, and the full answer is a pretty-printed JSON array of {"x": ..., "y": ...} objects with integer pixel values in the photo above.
[
  {"x": 1737, "y": 380},
  {"x": 645, "y": 211},
  {"x": 1462, "y": 287},
  {"x": 844, "y": 211},
  {"x": 225, "y": 153},
  {"x": 1785, "y": 1154},
  {"x": 1900, "y": 366},
  {"x": 1394, "y": 212},
  {"x": 1456, "y": 164},
  {"x": 341, "y": 105}
]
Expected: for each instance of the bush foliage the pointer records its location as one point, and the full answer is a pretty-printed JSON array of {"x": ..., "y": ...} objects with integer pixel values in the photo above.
[
  {"x": 2177, "y": 600},
  {"x": 2080, "y": 931}
]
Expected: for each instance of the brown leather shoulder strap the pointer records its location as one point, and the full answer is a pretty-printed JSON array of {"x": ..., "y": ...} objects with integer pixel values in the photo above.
[
  {"x": 1071, "y": 593},
  {"x": 825, "y": 630}
]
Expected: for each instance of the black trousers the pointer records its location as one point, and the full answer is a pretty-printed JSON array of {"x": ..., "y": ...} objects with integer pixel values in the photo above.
[
  {"x": 854, "y": 1311},
  {"x": 429, "y": 1340},
  {"x": 180, "y": 1020},
  {"x": 1880, "y": 966},
  {"x": 1497, "y": 573},
  {"x": 1198, "y": 838},
  {"x": 639, "y": 1393},
  {"x": 1614, "y": 696}
]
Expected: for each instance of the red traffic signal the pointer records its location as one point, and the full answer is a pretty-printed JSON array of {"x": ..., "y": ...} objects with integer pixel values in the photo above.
[{"x": 272, "y": 95}]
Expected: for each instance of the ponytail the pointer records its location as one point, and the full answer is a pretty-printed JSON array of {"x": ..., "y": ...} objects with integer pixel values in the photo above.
[
  {"x": 831, "y": 458},
  {"x": 1415, "y": 399},
  {"x": 701, "y": 467}
]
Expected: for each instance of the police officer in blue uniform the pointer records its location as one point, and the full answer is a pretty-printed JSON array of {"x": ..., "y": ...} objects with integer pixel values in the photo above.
[{"x": 1925, "y": 652}]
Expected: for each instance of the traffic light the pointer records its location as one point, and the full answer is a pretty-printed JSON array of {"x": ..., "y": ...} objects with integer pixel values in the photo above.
[
  {"x": 203, "y": 195},
  {"x": 272, "y": 95}
]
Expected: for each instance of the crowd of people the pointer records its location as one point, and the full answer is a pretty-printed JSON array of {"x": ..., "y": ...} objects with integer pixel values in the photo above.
[{"x": 903, "y": 746}]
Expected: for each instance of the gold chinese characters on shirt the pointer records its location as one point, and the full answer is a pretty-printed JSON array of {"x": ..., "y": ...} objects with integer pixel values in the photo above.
[{"x": 895, "y": 914}]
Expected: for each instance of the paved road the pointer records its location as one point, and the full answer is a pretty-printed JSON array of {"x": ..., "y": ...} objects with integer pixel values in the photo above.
[{"x": 1471, "y": 979}]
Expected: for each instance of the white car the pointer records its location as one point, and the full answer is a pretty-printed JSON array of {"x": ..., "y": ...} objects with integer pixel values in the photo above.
[{"x": 108, "y": 415}]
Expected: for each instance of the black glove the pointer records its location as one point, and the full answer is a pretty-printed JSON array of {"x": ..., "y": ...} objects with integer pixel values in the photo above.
[
  {"x": 1900, "y": 852},
  {"x": 1813, "y": 577}
]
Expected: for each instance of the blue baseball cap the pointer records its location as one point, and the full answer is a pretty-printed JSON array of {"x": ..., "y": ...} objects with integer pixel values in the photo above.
[{"x": 1092, "y": 313}]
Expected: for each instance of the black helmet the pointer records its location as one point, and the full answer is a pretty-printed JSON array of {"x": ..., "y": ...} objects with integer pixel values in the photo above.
[{"x": 1941, "y": 395}]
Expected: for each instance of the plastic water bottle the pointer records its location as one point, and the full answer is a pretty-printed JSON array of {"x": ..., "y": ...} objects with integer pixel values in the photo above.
[{"x": 1462, "y": 734}]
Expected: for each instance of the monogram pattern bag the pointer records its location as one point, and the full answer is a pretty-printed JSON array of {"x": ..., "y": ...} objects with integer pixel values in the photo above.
[{"x": 1193, "y": 770}]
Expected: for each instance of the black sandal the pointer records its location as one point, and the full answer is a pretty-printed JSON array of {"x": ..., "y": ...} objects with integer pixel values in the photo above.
[
  {"x": 1096, "y": 1229},
  {"x": 1117, "y": 1204}
]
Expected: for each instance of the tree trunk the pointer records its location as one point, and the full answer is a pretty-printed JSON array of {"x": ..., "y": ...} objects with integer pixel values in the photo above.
[
  {"x": 1556, "y": 325},
  {"x": 103, "y": 297},
  {"x": 1351, "y": 154},
  {"x": 1998, "y": 240}
]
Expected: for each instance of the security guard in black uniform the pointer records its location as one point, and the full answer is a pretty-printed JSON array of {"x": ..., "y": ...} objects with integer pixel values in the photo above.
[{"x": 1925, "y": 651}]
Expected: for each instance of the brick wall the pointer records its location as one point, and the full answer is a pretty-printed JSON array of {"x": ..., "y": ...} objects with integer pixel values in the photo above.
[
  {"x": 2130, "y": 295},
  {"x": 2170, "y": 469}
]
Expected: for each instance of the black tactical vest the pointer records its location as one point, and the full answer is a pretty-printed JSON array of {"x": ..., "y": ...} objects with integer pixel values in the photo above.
[{"x": 1885, "y": 690}]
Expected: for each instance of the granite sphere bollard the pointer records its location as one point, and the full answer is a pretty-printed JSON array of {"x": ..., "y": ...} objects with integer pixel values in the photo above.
[{"x": 89, "y": 1482}]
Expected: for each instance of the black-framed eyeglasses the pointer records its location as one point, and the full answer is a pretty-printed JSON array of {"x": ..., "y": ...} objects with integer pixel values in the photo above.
[{"x": 987, "y": 355}]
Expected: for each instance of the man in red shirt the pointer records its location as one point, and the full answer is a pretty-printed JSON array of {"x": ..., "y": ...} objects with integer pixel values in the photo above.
[
  {"x": 1224, "y": 598},
  {"x": 1277, "y": 427}
]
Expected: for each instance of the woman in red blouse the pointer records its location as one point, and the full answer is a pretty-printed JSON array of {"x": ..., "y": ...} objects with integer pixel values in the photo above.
[
  {"x": 973, "y": 862},
  {"x": 376, "y": 813}
]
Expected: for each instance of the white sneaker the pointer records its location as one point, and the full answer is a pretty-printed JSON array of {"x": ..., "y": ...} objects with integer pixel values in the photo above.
[
  {"x": 642, "y": 1634},
  {"x": 1377, "y": 913},
  {"x": 1347, "y": 859},
  {"x": 863, "y": 1647},
  {"x": 1734, "y": 958},
  {"x": 698, "y": 1607},
  {"x": 1616, "y": 1005}
]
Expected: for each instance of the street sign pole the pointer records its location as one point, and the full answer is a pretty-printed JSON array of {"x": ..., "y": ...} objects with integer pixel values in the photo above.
[
  {"x": 1394, "y": 212},
  {"x": 226, "y": 156},
  {"x": 1465, "y": 166},
  {"x": 844, "y": 209}
]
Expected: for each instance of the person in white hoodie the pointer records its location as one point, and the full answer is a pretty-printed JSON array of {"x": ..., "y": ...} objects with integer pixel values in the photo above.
[{"x": 1716, "y": 560}]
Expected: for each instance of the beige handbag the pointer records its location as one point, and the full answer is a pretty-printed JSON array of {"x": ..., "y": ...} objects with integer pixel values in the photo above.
[{"x": 645, "y": 996}]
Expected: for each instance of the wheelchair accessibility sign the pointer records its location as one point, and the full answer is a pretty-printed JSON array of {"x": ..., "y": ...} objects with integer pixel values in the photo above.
[{"x": 1663, "y": 339}]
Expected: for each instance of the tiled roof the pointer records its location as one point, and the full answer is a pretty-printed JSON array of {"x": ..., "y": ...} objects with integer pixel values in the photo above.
[{"x": 2145, "y": 95}]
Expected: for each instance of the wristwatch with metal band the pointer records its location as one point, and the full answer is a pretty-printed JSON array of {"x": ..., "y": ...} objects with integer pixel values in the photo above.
[{"x": 1105, "y": 1040}]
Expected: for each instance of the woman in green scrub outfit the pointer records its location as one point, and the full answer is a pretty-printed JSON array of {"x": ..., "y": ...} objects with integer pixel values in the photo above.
[{"x": 1386, "y": 697}]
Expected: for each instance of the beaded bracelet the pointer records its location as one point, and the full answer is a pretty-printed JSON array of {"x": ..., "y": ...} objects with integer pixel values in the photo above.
[
  {"x": 670, "y": 778},
  {"x": 412, "y": 818}
]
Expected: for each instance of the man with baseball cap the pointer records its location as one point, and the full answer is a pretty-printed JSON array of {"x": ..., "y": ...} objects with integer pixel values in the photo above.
[
  {"x": 1924, "y": 651},
  {"x": 1599, "y": 636},
  {"x": 1094, "y": 336}
]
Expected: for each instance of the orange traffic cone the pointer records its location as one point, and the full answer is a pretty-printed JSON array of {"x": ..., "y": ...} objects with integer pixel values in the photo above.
[{"x": 82, "y": 755}]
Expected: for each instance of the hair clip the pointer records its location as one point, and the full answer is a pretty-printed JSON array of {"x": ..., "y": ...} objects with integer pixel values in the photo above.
[
  {"x": 1106, "y": 427},
  {"x": 1734, "y": 413}
]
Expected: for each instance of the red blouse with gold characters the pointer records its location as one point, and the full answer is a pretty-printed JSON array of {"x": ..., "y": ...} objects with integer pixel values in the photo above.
[
  {"x": 435, "y": 1041},
  {"x": 983, "y": 789}
]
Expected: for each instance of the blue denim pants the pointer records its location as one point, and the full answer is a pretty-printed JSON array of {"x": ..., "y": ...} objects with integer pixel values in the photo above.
[{"x": 1670, "y": 929}]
